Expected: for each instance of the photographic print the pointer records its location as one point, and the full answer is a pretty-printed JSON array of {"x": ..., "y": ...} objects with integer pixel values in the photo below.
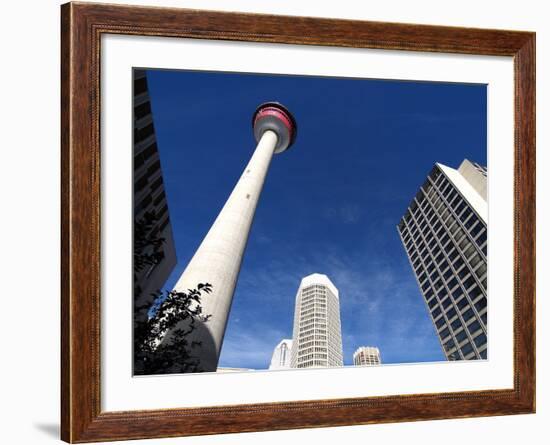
[{"x": 290, "y": 222}]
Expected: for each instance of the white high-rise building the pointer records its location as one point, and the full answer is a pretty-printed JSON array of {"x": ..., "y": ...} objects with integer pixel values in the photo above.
[
  {"x": 366, "y": 356},
  {"x": 317, "y": 333},
  {"x": 281, "y": 355}
]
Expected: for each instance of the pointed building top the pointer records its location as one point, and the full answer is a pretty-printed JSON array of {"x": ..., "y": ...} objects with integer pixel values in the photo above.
[{"x": 321, "y": 279}]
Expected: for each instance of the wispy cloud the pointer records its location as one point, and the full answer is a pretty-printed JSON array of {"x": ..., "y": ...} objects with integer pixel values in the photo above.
[
  {"x": 347, "y": 213},
  {"x": 380, "y": 305},
  {"x": 263, "y": 239},
  {"x": 350, "y": 213},
  {"x": 250, "y": 346}
]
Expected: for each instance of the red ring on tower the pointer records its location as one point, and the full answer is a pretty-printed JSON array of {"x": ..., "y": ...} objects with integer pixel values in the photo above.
[{"x": 275, "y": 117}]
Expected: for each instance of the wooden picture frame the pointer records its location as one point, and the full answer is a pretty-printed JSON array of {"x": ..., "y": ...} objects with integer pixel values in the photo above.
[{"x": 82, "y": 26}]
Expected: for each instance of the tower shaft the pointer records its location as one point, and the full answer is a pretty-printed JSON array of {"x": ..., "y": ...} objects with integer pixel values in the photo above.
[{"x": 218, "y": 259}]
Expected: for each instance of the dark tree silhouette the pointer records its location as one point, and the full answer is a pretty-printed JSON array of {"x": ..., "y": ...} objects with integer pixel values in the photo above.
[
  {"x": 177, "y": 312},
  {"x": 147, "y": 243},
  {"x": 152, "y": 355}
]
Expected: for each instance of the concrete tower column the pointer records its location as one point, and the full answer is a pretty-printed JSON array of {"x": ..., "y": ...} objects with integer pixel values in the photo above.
[{"x": 218, "y": 259}]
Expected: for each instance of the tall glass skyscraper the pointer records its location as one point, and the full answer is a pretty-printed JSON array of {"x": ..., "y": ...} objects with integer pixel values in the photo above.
[
  {"x": 317, "y": 333},
  {"x": 444, "y": 232}
]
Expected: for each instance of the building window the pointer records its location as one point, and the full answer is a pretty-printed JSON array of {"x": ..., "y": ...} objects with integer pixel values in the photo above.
[
  {"x": 457, "y": 293},
  {"x": 481, "y": 304},
  {"x": 140, "y": 85},
  {"x": 473, "y": 327},
  {"x": 474, "y": 292},
  {"x": 481, "y": 238},
  {"x": 142, "y": 110},
  {"x": 481, "y": 270},
  {"x": 461, "y": 336},
  {"x": 453, "y": 283},
  {"x": 480, "y": 340},
  {"x": 456, "y": 324},
  {"x": 468, "y": 314},
  {"x": 467, "y": 348},
  {"x": 451, "y": 313},
  {"x": 484, "y": 318}
]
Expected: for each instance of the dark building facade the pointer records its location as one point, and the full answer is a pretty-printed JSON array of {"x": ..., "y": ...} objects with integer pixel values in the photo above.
[
  {"x": 149, "y": 194},
  {"x": 444, "y": 232}
]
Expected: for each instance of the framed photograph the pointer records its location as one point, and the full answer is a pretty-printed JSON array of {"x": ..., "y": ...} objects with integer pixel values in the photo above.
[{"x": 274, "y": 222}]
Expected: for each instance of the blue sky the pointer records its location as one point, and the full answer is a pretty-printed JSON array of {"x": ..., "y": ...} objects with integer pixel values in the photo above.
[{"x": 330, "y": 204}]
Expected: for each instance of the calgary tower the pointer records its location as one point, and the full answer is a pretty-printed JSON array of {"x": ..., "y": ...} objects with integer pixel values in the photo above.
[{"x": 218, "y": 259}]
